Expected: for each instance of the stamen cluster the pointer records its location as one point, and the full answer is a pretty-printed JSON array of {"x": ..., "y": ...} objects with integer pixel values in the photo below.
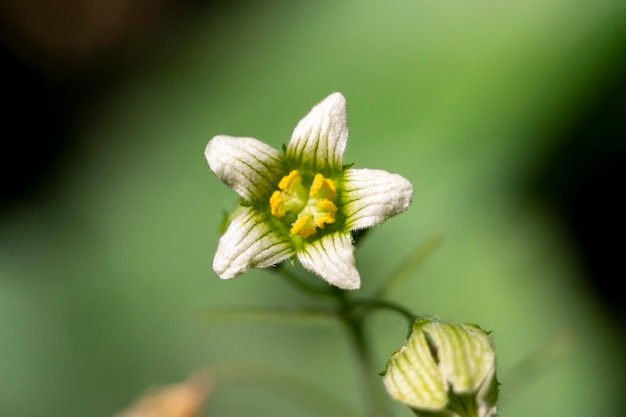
[{"x": 306, "y": 210}]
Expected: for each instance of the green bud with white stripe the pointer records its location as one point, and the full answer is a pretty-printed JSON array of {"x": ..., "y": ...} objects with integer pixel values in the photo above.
[{"x": 445, "y": 370}]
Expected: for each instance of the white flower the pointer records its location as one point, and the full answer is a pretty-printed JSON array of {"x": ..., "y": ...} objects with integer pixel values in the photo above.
[{"x": 303, "y": 202}]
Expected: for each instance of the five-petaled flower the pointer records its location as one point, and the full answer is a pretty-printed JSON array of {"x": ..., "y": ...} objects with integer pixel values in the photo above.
[{"x": 302, "y": 202}]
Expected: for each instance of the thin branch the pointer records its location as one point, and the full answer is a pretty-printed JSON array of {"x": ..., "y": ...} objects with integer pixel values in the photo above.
[
  {"x": 409, "y": 265},
  {"x": 524, "y": 373},
  {"x": 299, "y": 283},
  {"x": 372, "y": 304},
  {"x": 376, "y": 401},
  {"x": 297, "y": 315}
]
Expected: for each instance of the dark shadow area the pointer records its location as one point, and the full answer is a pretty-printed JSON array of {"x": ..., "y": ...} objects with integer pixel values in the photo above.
[
  {"x": 56, "y": 62},
  {"x": 583, "y": 184},
  {"x": 38, "y": 121}
]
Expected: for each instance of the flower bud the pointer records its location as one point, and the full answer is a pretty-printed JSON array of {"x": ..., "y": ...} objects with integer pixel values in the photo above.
[{"x": 445, "y": 370}]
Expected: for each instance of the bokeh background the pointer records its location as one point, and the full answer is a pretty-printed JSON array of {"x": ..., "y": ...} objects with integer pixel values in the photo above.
[{"x": 508, "y": 117}]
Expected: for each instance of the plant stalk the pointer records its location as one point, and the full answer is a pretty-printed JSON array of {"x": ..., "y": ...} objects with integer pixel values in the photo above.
[{"x": 375, "y": 399}]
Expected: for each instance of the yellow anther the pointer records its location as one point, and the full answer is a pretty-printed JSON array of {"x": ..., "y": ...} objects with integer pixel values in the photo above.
[
  {"x": 323, "y": 188},
  {"x": 326, "y": 204},
  {"x": 312, "y": 208},
  {"x": 304, "y": 227},
  {"x": 329, "y": 209},
  {"x": 321, "y": 221},
  {"x": 276, "y": 204},
  {"x": 287, "y": 181}
]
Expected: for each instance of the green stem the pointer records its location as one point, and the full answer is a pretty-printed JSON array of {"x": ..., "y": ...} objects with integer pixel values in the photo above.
[
  {"x": 352, "y": 313},
  {"x": 376, "y": 402},
  {"x": 386, "y": 305},
  {"x": 295, "y": 280}
]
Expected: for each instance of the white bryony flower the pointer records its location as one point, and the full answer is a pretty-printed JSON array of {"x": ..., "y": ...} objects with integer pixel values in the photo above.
[{"x": 301, "y": 202}]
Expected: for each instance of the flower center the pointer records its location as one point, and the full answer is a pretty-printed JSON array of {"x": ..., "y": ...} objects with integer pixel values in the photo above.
[{"x": 312, "y": 208}]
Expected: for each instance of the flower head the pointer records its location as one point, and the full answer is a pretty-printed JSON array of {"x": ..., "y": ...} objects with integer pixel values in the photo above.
[
  {"x": 302, "y": 202},
  {"x": 445, "y": 370}
]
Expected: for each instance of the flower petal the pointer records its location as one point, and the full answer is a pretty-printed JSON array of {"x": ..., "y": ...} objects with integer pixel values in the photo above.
[
  {"x": 332, "y": 258},
  {"x": 249, "y": 242},
  {"x": 371, "y": 196},
  {"x": 319, "y": 140},
  {"x": 247, "y": 165},
  {"x": 467, "y": 356},
  {"x": 412, "y": 375}
]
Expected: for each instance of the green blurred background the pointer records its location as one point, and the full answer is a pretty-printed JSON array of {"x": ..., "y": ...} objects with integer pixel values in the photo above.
[{"x": 504, "y": 115}]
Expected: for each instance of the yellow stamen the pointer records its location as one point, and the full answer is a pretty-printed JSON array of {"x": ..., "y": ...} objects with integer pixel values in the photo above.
[
  {"x": 312, "y": 208},
  {"x": 304, "y": 227},
  {"x": 324, "y": 220},
  {"x": 289, "y": 179},
  {"x": 276, "y": 204},
  {"x": 329, "y": 216},
  {"x": 324, "y": 187}
]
